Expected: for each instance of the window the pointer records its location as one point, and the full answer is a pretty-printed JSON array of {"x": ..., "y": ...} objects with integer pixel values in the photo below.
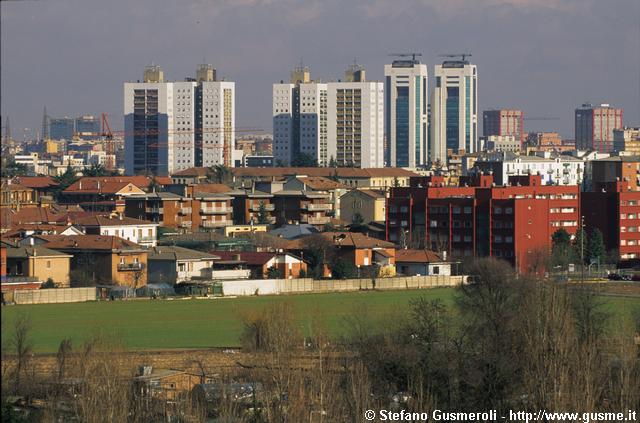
[
  {"x": 497, "y": 238},
  {"x": 48, "y": 264},
  {"x": 436, "y": 270},
  {"x": 456, "y": 210},
  {"x": 508, "y": 210},
  {"x": 497, "y": 210},
  {"x": 467, "y": 210}
]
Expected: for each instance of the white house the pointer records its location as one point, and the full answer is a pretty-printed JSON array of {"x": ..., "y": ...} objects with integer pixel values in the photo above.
[{"x": 142, "y": 232}]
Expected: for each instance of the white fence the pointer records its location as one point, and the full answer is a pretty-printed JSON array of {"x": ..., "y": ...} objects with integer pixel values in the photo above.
[
  {"x": 57, "y": 295},
  {"x": 298, "y": 286}
]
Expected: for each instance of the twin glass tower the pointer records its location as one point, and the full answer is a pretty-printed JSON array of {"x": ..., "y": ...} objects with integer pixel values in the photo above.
[{"x": 418, "y": 133}]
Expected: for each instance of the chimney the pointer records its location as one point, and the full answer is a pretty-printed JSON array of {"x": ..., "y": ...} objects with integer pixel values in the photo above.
[
  {"x": 444, "y": 255},
  {"x": 80, "y": 184},
  {"x": 31, "y": 241}
]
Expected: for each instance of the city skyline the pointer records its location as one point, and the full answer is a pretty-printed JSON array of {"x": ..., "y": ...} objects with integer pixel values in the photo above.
[{"x": 563, "y": 59}]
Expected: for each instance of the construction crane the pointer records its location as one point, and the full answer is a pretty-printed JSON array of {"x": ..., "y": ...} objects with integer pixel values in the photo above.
[
  {"x": 413, "y": 55},
  {"x": 109, "y": 148},
  {"x": 462, "y": 55}
]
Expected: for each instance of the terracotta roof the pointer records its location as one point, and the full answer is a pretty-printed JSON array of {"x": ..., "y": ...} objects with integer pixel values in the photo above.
[
  {"x": 417, "y": 256},
  {"x": 11, "y": 217},
  {"x": 36, "y": 181},
  {"x": 320, "y": 183},
  {"x": 112, "y": 221},
  {"x": 251, "y": 258},
  {"x": 193, "y": 171},
  {"x": 84, "y": 186},
  {"x": 212, "y": 188},
  {"x": 32, "y": 251},
  {"x": 13, "y": 186},
  {"x": 162, "y": 180},
  {"x": 87, "y": 242},
  {"x": 344, "y": 239}
]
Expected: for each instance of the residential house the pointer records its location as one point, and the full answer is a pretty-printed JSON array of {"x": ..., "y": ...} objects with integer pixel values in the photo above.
[
  {"x": 165, "y": 384},
  {"x": 141, "y": 232},
  {"x": 172, "y": 265},
  {"x": 247, "y": 206},
  {"x": 192, "y": 175},
  {"x": 421, "y": 263},
  {"x": 263, "y": 265},
  {"x": 14, "y": 195},
  {"x": 159, "y": 207},
  {"x": 100, "y": 194},
  {"x": 35, "y": 263},
  {"x": 99, "y": 259},
  {"x": 44, "y": 186},
  {"x": 356, "y": 248},
  {"x": 294, "y": 231},
  {"x": 368, "y": 203}
]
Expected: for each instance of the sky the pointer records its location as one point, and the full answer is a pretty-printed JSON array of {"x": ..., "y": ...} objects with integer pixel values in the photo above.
[{"x": 542, "y": 56}]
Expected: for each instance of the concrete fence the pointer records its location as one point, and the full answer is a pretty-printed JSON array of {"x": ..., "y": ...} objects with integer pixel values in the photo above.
[
  {"x": 57, "y": 295},
  {"x": 299, "y": 286}
]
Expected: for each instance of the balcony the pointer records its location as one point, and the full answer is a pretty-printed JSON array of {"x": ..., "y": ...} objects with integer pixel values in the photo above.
[
  {"x": 130, "y": 267},
  {"x": 316, "y": 207},
  {"x": 184, "y": 211},
  {"x": 154, "y": 210},
  {"x": 185, "y": 224},
  {"x": 214, "y": 210},
  {"x": 267, "y": 207},
  {"x": 317, "y": 220},
  {"x": 146, "y": 238},
  {"x": 215, "y": 223}
]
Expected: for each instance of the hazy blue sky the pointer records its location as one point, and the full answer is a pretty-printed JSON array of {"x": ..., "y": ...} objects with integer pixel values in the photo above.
[{"x": 544, "y": 56}]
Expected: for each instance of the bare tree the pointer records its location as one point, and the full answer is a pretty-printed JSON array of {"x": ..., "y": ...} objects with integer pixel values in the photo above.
[{"x": 22, "y": 346}]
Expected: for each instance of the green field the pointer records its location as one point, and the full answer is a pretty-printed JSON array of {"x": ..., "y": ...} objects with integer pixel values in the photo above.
[{"x": 202, "y": 323}]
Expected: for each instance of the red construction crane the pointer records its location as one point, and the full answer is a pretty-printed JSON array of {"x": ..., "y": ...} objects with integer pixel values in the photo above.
[{"x": 109, "y": 148}]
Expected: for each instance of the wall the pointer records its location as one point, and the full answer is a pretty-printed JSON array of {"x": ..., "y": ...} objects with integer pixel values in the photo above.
[
  {"x": 59, "y": 295},
  {"x": 295, "y": 286},
  {"x": 58, "y": 270}
]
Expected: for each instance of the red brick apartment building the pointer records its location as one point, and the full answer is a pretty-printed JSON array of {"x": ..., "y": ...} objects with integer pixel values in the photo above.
[
  {"x": 615, "y": 210},
  {"x": 513, "y": 222}
]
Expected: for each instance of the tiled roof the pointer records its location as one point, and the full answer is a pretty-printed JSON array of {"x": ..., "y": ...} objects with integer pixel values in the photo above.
[
  {"x": 112, "y": 221},
  {"x": 174, "y": 253},
  {"x": 36, "y": 181},
  {"x": 321, "y": 183},
  {"x": 95, "y": 187},
  {"x": 372, "y": 193},
  {"x": 87, "y": 242},
  {"x": 193, "y": 171},
  {"x": 212, "y": 188},
  {"x": 163, "y": 180},
  {"x": 11, "y": 217},
  {"x": 417, "y": 256},
  {"x": 344, "y": 239},
  {"x": 32, "y": 251}
]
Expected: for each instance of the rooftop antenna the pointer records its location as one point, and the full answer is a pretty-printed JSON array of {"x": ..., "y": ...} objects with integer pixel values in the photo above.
[
  {"x": 462, "y": 55},
  {"x": 413, "y": 55}
]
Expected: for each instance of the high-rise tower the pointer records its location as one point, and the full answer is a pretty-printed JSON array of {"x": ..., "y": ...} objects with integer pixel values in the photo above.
[
  {"x": 406, "y": 112},
  {"x": 454, "y": 109}
]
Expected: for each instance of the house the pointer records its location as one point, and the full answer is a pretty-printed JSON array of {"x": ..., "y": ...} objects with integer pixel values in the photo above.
[
  {"x": 356, "y": 248},
  {"x": 36, "y": 262},
  {"x": 192, "y": 175},
  {"x": 24, "y": 230},
  {"x": 421, "y": 263},
  {"x": 42, "y": 185},
  {"x": 100, "y": 194},
  {"x": 16, "y": 195},
  {"x": 172, "y": 265},
  {"x": 369, "y": 203},
  {"x": 99, "y": 259},
  {"x": 263, "y": 265},
  {"x": 164, "y": 384},
  {"x": 141, "y": 232}
]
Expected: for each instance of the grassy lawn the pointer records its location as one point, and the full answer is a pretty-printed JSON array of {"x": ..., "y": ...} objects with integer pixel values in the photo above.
[
  {"x": 194, "y": 323},
  {"x": 158, "y": 324}
]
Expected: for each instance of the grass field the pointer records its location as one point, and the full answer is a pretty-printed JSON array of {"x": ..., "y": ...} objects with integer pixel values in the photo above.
[{"x": 159, "y": 324}]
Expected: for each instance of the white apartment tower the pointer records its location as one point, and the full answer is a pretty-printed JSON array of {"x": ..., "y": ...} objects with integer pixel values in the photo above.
[
  {"x": 454, "y": 109},
  {"x": 406, "y": 113},
  {"x": 171, "y": 126},
  {"x": 339, "y": 122},
  {"x": 356, "y": 123}
]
